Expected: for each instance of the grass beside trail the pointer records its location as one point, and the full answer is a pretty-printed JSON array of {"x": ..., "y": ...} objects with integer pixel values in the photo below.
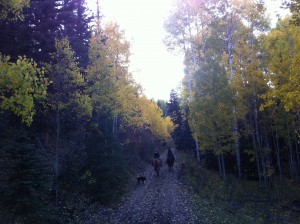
[
  {"x": 219, "y": 213},
  {"x": 240, "y": 201}
]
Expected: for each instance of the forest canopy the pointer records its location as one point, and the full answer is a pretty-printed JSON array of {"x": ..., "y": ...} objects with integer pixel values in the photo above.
[{"x": 70, "y": 112}]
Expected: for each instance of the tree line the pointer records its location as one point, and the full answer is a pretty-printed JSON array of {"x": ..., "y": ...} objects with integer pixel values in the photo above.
[
  {"x": 240, "y": 93},
  {"x": 72, "y": 118}
]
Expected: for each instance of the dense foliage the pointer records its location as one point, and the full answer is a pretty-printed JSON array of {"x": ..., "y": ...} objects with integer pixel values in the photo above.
[
  {"x": 73, "y": 120},
  {"x": 241, "y": 85}
]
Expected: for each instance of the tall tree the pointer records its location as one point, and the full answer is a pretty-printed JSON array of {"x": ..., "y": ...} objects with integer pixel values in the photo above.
[
  {"x": 188, "y": 27},
  {"x": 283, "y": 72},
  {"x": 163, "y": 105},
  {"x": 75, "y": 20},
  {"x": 249, "y": 80},
  {"x": 35, "y": 35},
  {"x": 67, "y": 98},
  {"x": 212, "y": 112},
  {"x": 45, "y": 21},
  {"x": 174, "y": 111}
]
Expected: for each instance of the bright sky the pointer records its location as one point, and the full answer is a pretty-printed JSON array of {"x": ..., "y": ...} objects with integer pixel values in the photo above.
[{"x": 152, "y": 66}]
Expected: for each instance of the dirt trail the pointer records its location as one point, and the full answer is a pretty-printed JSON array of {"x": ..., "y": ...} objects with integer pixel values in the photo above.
[{"x": 162, "y": 199}]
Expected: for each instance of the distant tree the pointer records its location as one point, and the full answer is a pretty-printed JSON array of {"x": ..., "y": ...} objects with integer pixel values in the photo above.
[
  {"x": 294, "y": 6},
  {"x": 163, "y": 106},
  {"x": 174, "y": 111},
  {"x": 187, "y": 137}
]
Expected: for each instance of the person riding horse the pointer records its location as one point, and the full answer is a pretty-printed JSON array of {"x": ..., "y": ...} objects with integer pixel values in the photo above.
[
  {"x": 170, "y": 159},
  {"x": 156, "y": 162}
]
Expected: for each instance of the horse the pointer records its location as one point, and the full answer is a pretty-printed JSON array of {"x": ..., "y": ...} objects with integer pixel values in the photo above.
[
  {"x": 170, "y": 159},
  {"x": 157, "y": 164},
  {"x": 170, "y": 162}
]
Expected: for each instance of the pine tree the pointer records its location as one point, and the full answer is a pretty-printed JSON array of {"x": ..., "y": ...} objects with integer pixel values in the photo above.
[
  {"x": 45, "y": 21},
  {"x": 175, "y": 113},
  {"x": 35, "y": 35},
  {"x": 26, "y": 181},
  {"x": 187, "y": 137},
  {"x": 67, "y": 98},
  {"x": 76, "y": 27},
  {"x": 105, "y": 171}
]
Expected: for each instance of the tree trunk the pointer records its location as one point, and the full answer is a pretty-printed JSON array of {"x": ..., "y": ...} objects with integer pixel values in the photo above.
[
  {"x": 298, "y": 116},
  {"x": 257, "y": 133},
  {"x": 57, "y": 145},
  {"x": 290, "y": 153},
  {"x": 263, "y": 166},
  {"x": 237, "y": 145},
  {"x": 278, "y": 154},
  {"x": 114, "y": 126},
  {"x": 191, "y": 96},
  {"x": 270, "y": 168},
  {"x": 56, "y": 165},
  {"x": 220, "y": 166},
  {"x": 238, "y": 157},
  {"x": 297, "y": 155},
  {"x": 258, "y": 167},
  {"x": 191, "y": 99},
  {"x": 98, "y": 30},
  {"x": 229, "y": 34},
  {"x": 223, "y": 168}
]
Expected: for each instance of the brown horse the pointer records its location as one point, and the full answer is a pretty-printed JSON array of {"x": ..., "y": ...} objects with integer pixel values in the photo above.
[{"x": 157, "y": 164}]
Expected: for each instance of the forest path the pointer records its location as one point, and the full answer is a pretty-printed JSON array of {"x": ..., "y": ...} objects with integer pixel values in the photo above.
[{"x": 160, "y": 200}]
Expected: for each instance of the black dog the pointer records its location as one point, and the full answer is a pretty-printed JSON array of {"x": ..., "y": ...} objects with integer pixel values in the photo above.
[{"x": 140, "y": 180}]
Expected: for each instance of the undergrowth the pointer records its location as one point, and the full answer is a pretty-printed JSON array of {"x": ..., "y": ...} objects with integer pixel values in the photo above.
[{"x": 238, "y": 201}]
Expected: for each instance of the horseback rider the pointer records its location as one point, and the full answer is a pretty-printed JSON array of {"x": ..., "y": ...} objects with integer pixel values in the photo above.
[
  {"x": 156, "y": 155},
  {"x": 170, "y": 159},
  {"x": 156, "y": 162}
]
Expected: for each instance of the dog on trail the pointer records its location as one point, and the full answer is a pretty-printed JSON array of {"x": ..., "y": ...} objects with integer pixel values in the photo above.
[{"x": 140, "y": 180}]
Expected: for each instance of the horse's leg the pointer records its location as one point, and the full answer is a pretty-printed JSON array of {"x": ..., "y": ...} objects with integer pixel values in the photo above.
[
  {"x": 158, "y": 169},
  {"x": 156, "y": 166}
]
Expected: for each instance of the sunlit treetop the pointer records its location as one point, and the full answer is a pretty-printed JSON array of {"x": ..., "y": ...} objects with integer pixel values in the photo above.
[{"x": 12, "y": 9}]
